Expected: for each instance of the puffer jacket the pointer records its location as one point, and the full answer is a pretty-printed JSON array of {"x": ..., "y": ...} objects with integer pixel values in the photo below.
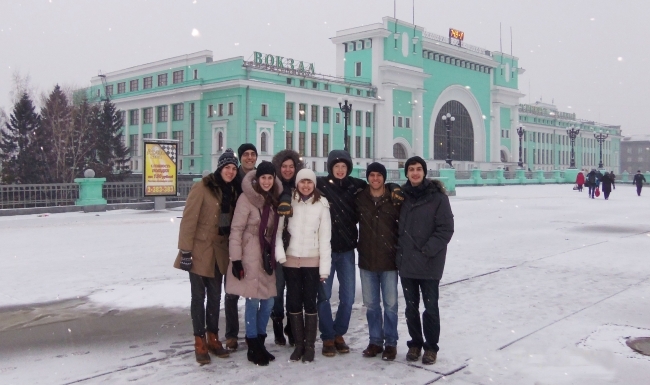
[{"x": 311, "y": 230}]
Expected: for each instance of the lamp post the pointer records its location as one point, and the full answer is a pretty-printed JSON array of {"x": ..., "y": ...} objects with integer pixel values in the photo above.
[
  {"x": 600, "y": 137},
  {"x": 447, "y": 119},
  {"x": 520, "y": 132},
  {"x": 573, "y": 134},
  {"x": 346, "y": 109}
]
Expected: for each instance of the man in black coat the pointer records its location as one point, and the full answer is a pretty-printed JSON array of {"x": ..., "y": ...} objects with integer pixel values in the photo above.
[
  {"x": 638, "y": 181},
  {"x": 426, "y": 225}
]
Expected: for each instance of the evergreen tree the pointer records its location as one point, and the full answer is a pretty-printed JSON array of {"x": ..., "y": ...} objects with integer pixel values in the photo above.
[
  {"x": 23, "y": 159},
  {"x": 57, "y": 131},
  {"x": 111, "y": 156}
]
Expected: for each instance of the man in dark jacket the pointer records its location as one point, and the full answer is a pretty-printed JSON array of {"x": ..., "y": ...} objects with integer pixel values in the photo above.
[
  {"x": 426, "y": 225},
  {"x": 593, "y": 181},
  {"x": 638, "y": 181},
  {"x": 378, "y": 226}
]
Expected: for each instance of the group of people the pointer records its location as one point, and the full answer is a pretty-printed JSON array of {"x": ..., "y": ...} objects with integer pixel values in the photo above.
[
  {"x": 595, "y": 179},
  {"x": 261, "y": 230}
]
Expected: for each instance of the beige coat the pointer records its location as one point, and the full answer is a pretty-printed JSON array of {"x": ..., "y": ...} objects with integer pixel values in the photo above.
[
  {"x": 245, "y": 244},
  {"x": 199, "y": 232}
]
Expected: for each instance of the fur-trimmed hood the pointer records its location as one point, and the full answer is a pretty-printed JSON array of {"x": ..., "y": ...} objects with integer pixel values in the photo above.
[
  {"x": 283, "y": 155},
  {"x": 253, "y": 196}
]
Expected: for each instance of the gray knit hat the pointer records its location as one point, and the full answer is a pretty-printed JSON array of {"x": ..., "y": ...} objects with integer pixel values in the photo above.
[{"x": 228, "y": 157}]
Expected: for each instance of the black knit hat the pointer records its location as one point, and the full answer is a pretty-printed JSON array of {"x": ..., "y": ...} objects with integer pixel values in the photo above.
[
  {"x": 415, "y": 159},
  {"x": 245, "y": 147},
  {"x": 228, "y": 157},
  {"x": 376, "y": 167},
  {"x": 265, "y": 168}
]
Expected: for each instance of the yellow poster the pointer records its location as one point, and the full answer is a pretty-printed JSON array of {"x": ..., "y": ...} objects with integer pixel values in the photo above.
[{"x": 160, "y": 169}]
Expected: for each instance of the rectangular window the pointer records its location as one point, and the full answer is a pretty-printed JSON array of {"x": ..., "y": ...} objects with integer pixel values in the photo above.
[
  {"x": 337, "y": 118},
  {"x": 265, "y": 110},
  {"x": 357, "y": 146},
  {"x": 326, "y": 114},
  {"x": 314, "y": 113},
  {"x": 192, "y": 123},
  {"x": 326, "y": 145},
  {"x": 134, "y": 149},
  {"x": 133, "y": 85},
  {"x": 368, "y": 121},
  {"x": 121, "y": 88},
  {"x": 177, "y": 77},
  {"x": 146, "y": 136},
  {"x": 301, "y": 143},
  {"x": 347, "y": 90},
  {"x": 314, "y": 144},
  {"x": 109, "y": 90},
  {"x": 147, "y": 83},
  {"x": 123, "y": 117},
  {"x": 178, "y": 135},
  {"x": 357, "y": 68},
  {"x": 399, "y": 121},
  {"x": 162, "y": 80},
  {"x": 358, "y": 92},
  {"x": 407, "y": 122},
  {"x": 367, "y": 147},
  {"x": 289, "y": 80},
  {"x": 220, "y": 109},
  {"x": 134, "y": 117},
  {"x": 192, "y": 148},
  {"x": 393, "y": 120},
  {"x": 148, "y": 115},
  {"x": 289, "y": 112},
  {"x": 314, "y": 85},
  {"x": 302, "y": 83},
  {"x": 231, "y": 108},
  {"x": 357, "y": 118},
  {"x": 210, "y": 110},
  {"x": 327, "y": 87},
  {"x": 162, "y": 114},
  {"x": 289, "y": 140},
  {"x": 162, "y": 135},
  {"x": 301, "y": 111},
  {"x": 195, "y": 74},
  {"x": 178, "y": 112}
]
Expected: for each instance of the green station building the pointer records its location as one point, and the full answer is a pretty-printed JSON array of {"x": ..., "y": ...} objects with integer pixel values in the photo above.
[{"x": 400, "y": 80}]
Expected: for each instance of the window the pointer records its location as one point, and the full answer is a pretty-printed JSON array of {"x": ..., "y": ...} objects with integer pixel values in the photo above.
[
  {"x": 357, "y": 68},
  {"x": 289, "y": 112},
  {"x": 347, "y": 90},
  {"x": 399, "y": 121},
  {"x": 263, "y": 142},
  {"x": 358, "y": 92},
  {"x": 462, "y": 134},
  {"x": 301, "y": 143},
  {"x": 393, "y": 120},
  {"x": 146, "y": 136},
  {"x": 192, "y": 148},
  {"x": 192, "y": 125},
  {"x": 289, "y": 140},
  {"x": 134, "y": 117},
  {"x": 123, "y": 117},
  {"x": 133, "y": 85},
  {"x": 178, "y": 112},
  {"x": 326, "y": 145},
  {"x": 314, "y": 85},
  {"x": 357, "y": 118},
  {"x": 289, "y": 80},
  {"x": 357, "y": 146},
  {"x": 302, "y": 82},
  {"x": 265, "y": 110},
  {"x": 326, "y": 114},
  {"x": 220, "y": 109},
  {"x": 327, "y": 87},
  {"x": 177, "y": 77},
  {"x": 178, "y": 135},
  {"x": 407, "y": 122},
  {"x": 231, "y": 108},
  {"x": 162, "y": 114},
  {"x": 368, "y": 93},
  {"x": 301, "y": 111},
  {"x": 162, "y": 80},
  {"x": 314, "y": 144},
  {"x": 195, "y": 74},
  {"x": 210, "y": 110},
  {"x": 220, "y": 141},
  {"x": 121, "y": 88},
  {"x": 368, "y": 119},
  {"x": 338, "y": 118},
  {"x": 399, "y": 152},
  {"x": 162, "y": 135},
  {"x": 314, "y": 113},
  {"x": 147, "y": 83},
  {"x": 109, "y": 90},
  {"x": 367, "y": 147},
  {"x": 134, "y": 150},
  {"x": 148, "y": 115}
]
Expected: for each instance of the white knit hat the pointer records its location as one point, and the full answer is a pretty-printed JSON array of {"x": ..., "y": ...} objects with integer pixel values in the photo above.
[{"x": 305, "y": 173}]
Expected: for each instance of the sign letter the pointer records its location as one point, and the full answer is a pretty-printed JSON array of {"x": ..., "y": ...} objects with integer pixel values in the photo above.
[{"x": 258, "y": 57}]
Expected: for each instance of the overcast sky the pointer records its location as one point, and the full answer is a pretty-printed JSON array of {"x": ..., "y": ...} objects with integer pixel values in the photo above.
[{"x": 590, "y": 57}]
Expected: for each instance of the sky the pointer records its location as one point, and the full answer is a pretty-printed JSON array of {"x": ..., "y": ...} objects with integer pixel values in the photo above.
[{"x": 586, "y": 56}]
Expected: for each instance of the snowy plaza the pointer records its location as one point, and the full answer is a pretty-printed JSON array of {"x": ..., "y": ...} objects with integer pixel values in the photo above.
[{"x": 542, "y": 286}]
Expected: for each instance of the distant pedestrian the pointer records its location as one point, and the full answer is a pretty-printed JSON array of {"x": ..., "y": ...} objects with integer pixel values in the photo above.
[
  {"x": 608, "y": 183},
  {"x": 613, "y": 176},
  {"x": 580, "y": 180},
  {"x": 593, "y": 181},
  {"x": 638, "y": 181}
]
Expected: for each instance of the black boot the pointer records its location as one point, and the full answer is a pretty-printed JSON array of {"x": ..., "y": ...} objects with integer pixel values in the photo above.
[
  {"x": 298, "y": 329},
  {"x": 277, "y": 331},
  {"x": 255, "y": 353},
  {"x": 311, "y": 327},
  {"x": 262, "y": 338},
  {"x": 287, "y": 331}
]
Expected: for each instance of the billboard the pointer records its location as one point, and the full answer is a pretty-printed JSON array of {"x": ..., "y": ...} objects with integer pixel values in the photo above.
[{"x": 160, "y": 173}]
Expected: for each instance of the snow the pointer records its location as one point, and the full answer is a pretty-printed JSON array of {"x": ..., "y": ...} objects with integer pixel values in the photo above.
[{"x": 542, "y": 286}]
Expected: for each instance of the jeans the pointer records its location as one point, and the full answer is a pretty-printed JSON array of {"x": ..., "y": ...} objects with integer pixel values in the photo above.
[
  {"x": 302, "y": 287},
  {"x": 203, "y": 315},
  {"x": 278, "y": 303},
  {"x": 343, "y": 265},
  {"x": 257, "y": 315},
  {"x": 430, "y": 317},
  {"x": 381, "y": 331},
  {"x": 592, "y": 191},
  {"x": 232, "y": 314}
]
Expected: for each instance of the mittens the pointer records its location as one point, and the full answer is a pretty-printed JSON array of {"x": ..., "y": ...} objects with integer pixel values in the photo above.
[
  {"x": 186, "y": 260},
  {"x": 237, "y": 269}
]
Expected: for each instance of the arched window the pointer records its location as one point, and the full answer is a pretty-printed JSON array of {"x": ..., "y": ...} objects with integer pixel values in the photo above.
[
  {"x": 220, "y": 141},
  {"x": 263, "y": 142},
  {"x": 462, "y": 133},
  {"x": 399, "y": 152},
  {"x": 504, "y": 156}
]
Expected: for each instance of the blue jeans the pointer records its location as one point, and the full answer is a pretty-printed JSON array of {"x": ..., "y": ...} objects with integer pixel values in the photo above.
[
  {"x": 278, "y": 303},
  {"x": 343, "y": 265},
  {"x": 257, "y": 315},
  {"x": 430, "y": 317},
  {"x": 371, "y": 285}
]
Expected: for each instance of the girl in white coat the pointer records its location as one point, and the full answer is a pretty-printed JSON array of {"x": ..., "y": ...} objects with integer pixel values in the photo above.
[{"x": 306, "y": 262}]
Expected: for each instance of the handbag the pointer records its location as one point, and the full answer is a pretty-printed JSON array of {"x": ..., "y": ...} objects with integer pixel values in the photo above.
[
  {"x": 597, "y": 192},
  {"x": 575, "y": 187}
]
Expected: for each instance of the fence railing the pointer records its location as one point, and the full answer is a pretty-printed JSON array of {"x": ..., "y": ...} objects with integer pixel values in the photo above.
[
  {"x": 131, "y": 192},
  {"x": 14, "y": 196}
]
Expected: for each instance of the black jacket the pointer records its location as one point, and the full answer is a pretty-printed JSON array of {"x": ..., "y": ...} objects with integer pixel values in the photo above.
[
  {"x": 607, "y": 182},
  {"x": 426, "y": 225},
  {"x": 341, "y": 194},
  {"x": 638, "y": 179},
  {"x": 378, "y": 226}
]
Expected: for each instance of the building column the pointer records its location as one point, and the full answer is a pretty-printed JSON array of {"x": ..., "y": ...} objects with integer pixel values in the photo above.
[
  {"x": 308, "y": 131},
  {"x": 319, "y": 141},
  {"x": 364, "y": 123},
  {"x": 169, "y": 122},
  {"x": 140, "y": 144},
  {"x": 296, "y": 126},
  {"x": 154, "y": 121},
  {"x": 352, "y": 131},
  {"x": 384, "y": 130},
  {"x": 418, "y": 123}
]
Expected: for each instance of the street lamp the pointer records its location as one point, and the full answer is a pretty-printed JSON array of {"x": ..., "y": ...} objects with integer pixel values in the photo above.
[
  {"x": 600, "y": 137},
  {"x": 520, "y": 132},
  {"x": 447, "y": 119},
  {"x": 573, "y": 134},
  {"x": 346, "y": 108}
]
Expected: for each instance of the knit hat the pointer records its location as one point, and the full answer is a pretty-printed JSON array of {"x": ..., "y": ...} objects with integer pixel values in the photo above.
[
  {"x": 228, "y": 157},
  {"x": 265, "y": 168},
  {"x": 305, "y": 173},
  {"x": 376, "y": 167},
  {"x": 415, "y": 159},
  {"x": 245, "y": 147}
]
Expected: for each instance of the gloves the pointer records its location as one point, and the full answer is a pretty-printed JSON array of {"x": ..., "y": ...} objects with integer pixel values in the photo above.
[
  {"x": 396, "y": 193},
  {"x": 284, "y": 208},
  {"x": 237, "y": 270},
  {"x": 186, "y": 260}
]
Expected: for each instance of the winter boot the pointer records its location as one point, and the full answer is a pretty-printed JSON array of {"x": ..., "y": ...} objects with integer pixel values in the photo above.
[
  {"x": 311, "y": 327},
  {"x": 255, "y": 353},
  {"x": 340, "y": 345},
  {"x": 287, "y": 331},
  {"x": 262, "y": 338},
  {"x": 277, "y": 331},
  {"x": 215, "y": 347},
  {"x": 298, "y": 330},
  {"x": 201, "y": 350},
  {"x": 231, "y": 344}
]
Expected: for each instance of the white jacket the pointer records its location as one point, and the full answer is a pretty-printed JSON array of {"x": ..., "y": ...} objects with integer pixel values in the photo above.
[{"x": 311, "y": 231}]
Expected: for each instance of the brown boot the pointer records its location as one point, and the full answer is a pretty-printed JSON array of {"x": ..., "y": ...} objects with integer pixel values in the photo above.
[
  {"x": 328, "y": 348},
  {"x": 372, "y": 350},
  {"x": 429, "y": 357},
  {"x": 340, "y": 345},
  {"x": 390, "y": 352},
  {"x": 215, "y": 347},
  {"x": 201, "y": 350},
  {"x": 231, "y": 344}
]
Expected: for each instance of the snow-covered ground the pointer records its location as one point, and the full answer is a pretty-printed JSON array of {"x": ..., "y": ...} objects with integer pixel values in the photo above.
[{"x": 542, "y": 286}]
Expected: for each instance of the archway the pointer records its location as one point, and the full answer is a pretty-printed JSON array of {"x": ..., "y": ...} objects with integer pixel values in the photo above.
[{"x": 461, "y": 134}]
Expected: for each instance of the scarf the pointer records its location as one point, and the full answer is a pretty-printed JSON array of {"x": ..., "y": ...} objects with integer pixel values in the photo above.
[
  {"x": 264, "y": 224},
  {"x": 227, "y": 204}
]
